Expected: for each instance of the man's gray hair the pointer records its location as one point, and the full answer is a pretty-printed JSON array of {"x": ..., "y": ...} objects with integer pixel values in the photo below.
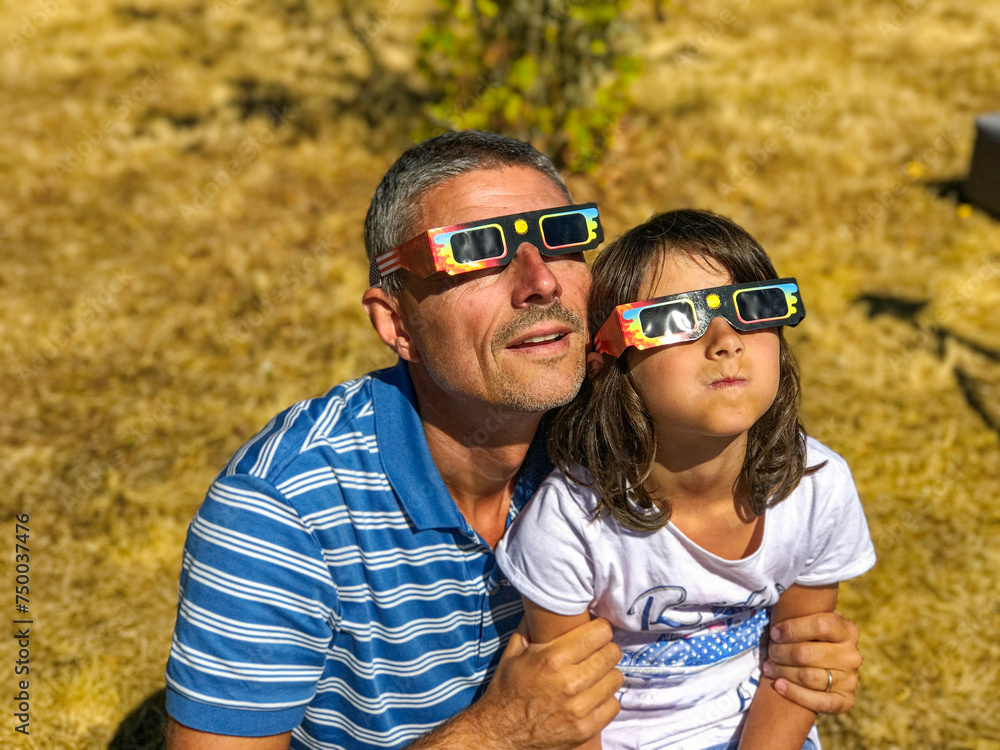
[{"x": 395, "y": 206}]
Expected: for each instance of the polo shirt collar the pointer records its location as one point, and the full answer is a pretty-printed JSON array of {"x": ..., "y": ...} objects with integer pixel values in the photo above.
[{"x": 407, "y": 463}]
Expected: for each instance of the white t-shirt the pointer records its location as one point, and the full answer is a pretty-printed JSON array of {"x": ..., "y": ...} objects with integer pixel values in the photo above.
[{"x": 689, "y": 623}]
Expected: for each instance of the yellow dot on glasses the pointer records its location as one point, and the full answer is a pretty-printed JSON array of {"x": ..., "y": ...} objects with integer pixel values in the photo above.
[
  {"x": 713, "y": 301},
  {"x": 520, "y": 226}
]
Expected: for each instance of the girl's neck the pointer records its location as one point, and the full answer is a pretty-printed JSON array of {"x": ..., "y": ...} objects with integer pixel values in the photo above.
[
  {"x": 709, "y": 504},
  {"x": 698, "y": 473}
]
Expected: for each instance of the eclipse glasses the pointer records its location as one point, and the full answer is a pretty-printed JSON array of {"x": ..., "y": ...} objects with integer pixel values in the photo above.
[
  {"x": 678, "y": 318},
  {"x": 489, "y": 243}
]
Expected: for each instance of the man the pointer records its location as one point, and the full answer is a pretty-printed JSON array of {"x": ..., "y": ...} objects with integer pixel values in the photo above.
[{"x": 339, "y": 587}]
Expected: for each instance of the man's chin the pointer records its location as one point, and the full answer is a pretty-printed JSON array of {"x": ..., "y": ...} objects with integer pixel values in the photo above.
[{"x": 541, "y": 390}]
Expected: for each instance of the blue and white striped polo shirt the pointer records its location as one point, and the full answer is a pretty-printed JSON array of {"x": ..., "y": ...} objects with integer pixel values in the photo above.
[{"x": 331, "y": 585}]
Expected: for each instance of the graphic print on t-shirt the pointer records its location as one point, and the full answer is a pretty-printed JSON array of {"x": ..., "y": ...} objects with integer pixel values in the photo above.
[{"x": 699, "y": 638}]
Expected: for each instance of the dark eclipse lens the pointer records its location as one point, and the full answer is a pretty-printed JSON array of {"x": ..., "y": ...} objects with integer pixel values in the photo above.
[
  {"x": 673, "y": 317},
  {"x": 565, "y": 230},
  {"x": 477, "y": 244},
  {"x": 761, "y": 304}
]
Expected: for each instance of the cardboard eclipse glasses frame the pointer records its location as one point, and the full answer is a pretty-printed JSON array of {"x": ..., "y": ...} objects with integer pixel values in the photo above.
[
  {"x": 489, "y": 243},
  {"x": 678, "y": 318}
]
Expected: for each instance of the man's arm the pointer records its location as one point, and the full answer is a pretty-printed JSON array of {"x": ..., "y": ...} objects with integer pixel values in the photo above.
[
  {"x": 543, "y": 696},
  {"x": 773, "y": 721},
  {"x": 180, "y": 737},
  {"x": 238, "y": 545},
  {"x": 550, "y": 696},
  {"x": 803, "y": 649}
]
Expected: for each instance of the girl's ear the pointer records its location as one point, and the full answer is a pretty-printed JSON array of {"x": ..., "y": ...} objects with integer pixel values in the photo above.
[{"x": 595, "y": 363}]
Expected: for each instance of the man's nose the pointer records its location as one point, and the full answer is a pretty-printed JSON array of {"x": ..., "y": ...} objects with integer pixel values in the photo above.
[{"x": 534, "y": 281}]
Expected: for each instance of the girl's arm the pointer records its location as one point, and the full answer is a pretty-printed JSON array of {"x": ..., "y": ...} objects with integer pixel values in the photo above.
[
  {"x": 774, "y": 722},
  {"x": 544, "y": 626}
]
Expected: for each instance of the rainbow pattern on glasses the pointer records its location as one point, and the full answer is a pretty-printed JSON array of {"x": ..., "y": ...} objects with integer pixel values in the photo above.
[
  {"x": 678, "y": 318},
  {"x": 489, "y": 243}
]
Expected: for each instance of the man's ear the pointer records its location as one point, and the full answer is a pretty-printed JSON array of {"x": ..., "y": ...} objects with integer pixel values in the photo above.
[{"x": 385, "y": 313}]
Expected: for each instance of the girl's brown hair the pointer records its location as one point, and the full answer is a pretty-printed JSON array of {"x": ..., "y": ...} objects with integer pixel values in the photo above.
[{"x": 606, "y": 428}]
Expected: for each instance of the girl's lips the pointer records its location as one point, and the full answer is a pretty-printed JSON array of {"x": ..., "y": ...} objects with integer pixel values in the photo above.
[{"x": 728, "y": 383}]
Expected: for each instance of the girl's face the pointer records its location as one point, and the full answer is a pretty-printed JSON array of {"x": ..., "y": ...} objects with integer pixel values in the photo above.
[{"x": 716, "y": 386}]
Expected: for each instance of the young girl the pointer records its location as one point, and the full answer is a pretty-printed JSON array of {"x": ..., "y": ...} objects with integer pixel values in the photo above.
[{"x": 688, "y": 508}]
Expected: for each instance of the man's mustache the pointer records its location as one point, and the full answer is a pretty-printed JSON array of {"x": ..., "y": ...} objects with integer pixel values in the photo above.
[{"x": 532, "y": 316}]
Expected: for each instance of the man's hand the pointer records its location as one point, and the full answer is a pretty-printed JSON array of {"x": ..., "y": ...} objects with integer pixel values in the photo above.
[
  {"x": 801, "y": 652},
  {"x": 543, "y": 696},
  {"x": 556, "y": 694}
]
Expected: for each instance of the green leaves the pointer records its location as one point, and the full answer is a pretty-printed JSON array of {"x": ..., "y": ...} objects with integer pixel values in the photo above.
[
  {"x": 552, "y": 72},
  {"x": 523, "y": 73}
]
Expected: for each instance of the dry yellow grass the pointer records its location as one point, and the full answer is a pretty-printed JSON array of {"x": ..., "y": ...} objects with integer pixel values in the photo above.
[{"x": 177, "y": 264}]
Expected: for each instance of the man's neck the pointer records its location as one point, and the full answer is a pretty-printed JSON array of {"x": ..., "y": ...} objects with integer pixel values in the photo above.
[{"x": 478, "y": 449}]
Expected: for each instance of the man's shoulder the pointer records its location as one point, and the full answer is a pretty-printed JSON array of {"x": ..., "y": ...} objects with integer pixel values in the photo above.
[{"x": 337, "y": 427}]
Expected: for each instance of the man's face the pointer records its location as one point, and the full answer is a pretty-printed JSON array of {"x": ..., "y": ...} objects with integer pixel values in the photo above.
[{"x": 511, "y": 336}]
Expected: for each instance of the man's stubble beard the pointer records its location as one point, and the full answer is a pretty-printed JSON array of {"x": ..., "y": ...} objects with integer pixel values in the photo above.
[
  {"x": 515, "y": 399},
  {"x": 505, "y": 389},
  {"x": 511, "y": 391}
]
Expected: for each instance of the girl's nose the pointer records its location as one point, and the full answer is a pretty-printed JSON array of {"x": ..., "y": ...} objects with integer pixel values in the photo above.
[{"x": 722, "y": 340}]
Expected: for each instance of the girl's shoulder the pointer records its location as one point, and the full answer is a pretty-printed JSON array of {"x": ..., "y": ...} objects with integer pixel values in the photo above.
[
  {"x": 825, "y": 520},
  {"x": 827, "y": 483},
  {"x": 829, "y": 463},
  {"x": 571, "y": 489}
]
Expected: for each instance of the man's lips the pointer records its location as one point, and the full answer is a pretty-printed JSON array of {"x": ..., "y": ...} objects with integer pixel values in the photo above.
[
  {"x": 542, "y": 330},
  {"x": 540, "y": 336}
]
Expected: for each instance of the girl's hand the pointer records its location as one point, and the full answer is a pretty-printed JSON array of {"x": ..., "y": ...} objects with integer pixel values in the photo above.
[{"x": 805, "y": 650}]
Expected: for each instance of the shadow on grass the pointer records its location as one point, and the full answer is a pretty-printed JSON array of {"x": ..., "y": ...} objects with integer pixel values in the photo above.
[
  {"x": 957, "y": 190},
  {"x": 146, "y": 727},
  {"x": 972, "y": 388}
]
